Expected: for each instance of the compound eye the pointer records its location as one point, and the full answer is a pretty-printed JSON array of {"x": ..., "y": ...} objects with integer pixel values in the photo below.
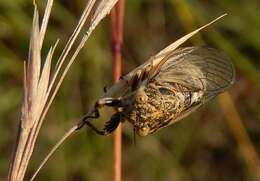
[{"x": 165, "y": 91}]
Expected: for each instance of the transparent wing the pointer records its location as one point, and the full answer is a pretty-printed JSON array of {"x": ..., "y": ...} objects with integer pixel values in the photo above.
[{"x": 198, "y": 68}]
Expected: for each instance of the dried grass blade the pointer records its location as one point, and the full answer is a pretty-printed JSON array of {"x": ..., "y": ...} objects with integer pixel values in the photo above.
[
  {"x": 32, "y": 68},
  {"x": 24, "y": 111},
  {"x": 180, "y": 41},
  {"x": 102, "y": 10},
  {"x": 96, "y": 18},
  {"x": 71, "y": 40},
  {"x": 33, "y": 75},
  {"x": 58, "y": 67},
  {"x": 107, "y": 5},
  {"x": 65, "y": 136},
  {"x": 45, "y": 21},
  {"x": 33, "y": 71},
  {"x": 42, "y": 90},
  {"x": 44, "y": 83}
]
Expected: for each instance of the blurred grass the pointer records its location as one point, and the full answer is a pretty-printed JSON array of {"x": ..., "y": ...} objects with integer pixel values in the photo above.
[
  {"x": 199, "y": 148},
  {"x": 233, "y": 119}
]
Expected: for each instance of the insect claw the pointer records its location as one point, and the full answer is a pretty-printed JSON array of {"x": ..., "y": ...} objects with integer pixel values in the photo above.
[{"x": 112, "y": 124}]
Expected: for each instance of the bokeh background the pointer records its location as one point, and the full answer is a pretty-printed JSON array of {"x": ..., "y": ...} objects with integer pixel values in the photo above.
[{"x": 209, "y": 145}]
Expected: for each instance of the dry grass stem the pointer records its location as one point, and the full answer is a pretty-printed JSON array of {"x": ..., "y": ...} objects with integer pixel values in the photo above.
[
  {"x": 240, "y": 134},
  {"x": 29, "y": 107},
  {"x": 68, "y": 133},
  {"x": 39, "y": 91},
  {"x": 117, "y": 27}
]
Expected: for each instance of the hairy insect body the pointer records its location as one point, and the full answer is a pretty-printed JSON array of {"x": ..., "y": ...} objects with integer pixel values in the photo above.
[
  {"x": 162, "y": 94},
  {"x": 156, "y": 106}
]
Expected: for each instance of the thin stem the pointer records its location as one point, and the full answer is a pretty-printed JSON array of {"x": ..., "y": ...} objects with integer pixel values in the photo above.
[
  {"x": 68, "y": 133},
  {"x": 117, "y": 24},
  {"x": 240, "y": 134},
  {"x": 72, "y": 130}
]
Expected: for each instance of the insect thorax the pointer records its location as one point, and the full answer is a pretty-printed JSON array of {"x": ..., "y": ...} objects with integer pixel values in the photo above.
[{"x": 157, "y": 105}]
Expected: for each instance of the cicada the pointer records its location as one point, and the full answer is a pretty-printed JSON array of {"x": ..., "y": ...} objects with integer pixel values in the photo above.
[{"x": 158, "y": 95}]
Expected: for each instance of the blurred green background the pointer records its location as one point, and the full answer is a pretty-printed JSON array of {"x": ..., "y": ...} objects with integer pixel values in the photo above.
[{"x": 201, "y": 147}]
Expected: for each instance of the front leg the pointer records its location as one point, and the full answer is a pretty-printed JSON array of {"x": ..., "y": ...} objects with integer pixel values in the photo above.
[{"x": 110, "y": 125}]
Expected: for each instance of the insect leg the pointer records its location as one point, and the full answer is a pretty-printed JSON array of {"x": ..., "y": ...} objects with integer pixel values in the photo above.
[
  {"x": 100, "y": 132},
  {"x": 113, "y": 123},
  {"x": 85, "y": 119},
  {"x": 108, "y": 101},
  {"x": 110, "y": 125}
]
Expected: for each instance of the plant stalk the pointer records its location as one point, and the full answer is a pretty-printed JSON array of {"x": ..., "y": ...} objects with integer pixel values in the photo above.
[{"x": 117, "y": 28}]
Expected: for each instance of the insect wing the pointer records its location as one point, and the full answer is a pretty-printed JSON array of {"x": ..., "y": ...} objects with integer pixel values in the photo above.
[{"x": 198, "y": 68}]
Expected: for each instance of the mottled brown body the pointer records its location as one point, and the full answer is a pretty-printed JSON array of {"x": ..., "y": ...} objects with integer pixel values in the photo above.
[{"x": 156, "y": 106}]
